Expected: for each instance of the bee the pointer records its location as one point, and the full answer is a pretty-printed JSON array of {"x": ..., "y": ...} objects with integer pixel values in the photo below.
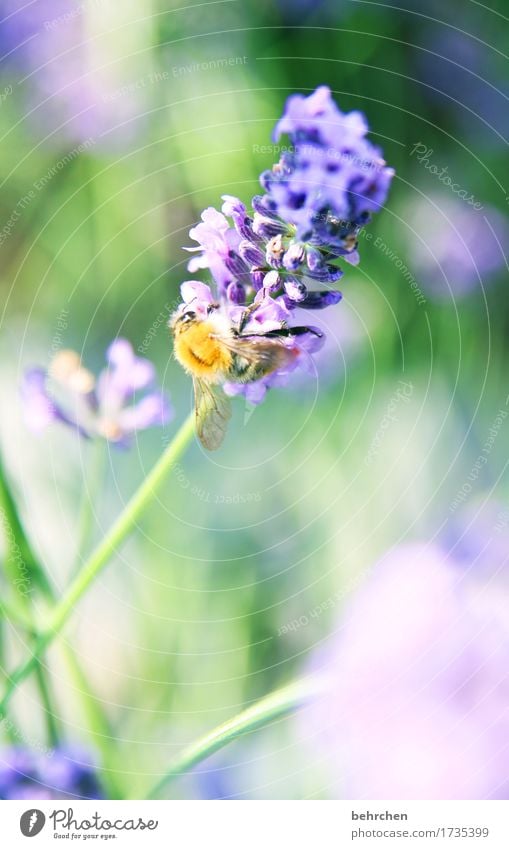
[{"x": 213, "y": 350}]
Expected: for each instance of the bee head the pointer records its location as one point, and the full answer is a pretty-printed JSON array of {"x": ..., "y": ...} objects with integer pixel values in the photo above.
[
  {"x": 187, "y": 316},
  {"x": 182, "y": 318},
  {"x": 189, "y": 313}
]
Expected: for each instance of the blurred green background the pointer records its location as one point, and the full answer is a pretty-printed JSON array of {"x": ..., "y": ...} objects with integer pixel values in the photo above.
[{"x": 191, "y": 621}]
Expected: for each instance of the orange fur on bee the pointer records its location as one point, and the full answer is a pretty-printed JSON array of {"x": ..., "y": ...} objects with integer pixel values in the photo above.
[{"x": 200, "y": 353}]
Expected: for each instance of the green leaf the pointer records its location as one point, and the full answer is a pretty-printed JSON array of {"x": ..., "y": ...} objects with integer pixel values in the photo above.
[{"x": 23, "y": 564}]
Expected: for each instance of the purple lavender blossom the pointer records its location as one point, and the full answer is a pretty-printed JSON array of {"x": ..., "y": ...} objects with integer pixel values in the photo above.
[
  {"x": 344, "y": 334},
  {"x": 218, "y": 243},
  {"x": 270, "y": 316},
  {"x": 478, "y": 538},
  {"x": 332, "y": 180},
  {"x": 418, "y": 698},
  {"x": 216, "y": 779},
  {"x": 455, "y": 249},
  {"x": 318, "y": 197},
  {"x": 108, "y": 407},
  {"x": 290, "y": 9},
  {"x": 64, "y": 773},
  {"x": 284, "y": 254},
  {"x": 68, "y": 82}
]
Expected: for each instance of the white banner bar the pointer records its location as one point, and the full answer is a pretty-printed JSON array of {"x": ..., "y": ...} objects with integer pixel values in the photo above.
[{"x": 256, "y": 825}]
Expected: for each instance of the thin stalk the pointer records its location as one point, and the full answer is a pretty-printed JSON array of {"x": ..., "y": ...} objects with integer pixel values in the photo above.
[
  {"x": 24, "y": 572},
  {"x": 274, "y": 706},
  {"x": 120, "y": 530},
  {"x": 51, "y": 723},
  {"x": 13, "y": 613},
  {"x": 92, "y": 487},
  {"x": 16, "y": 538},
  {"x": 98, "y": 723},
  {"x": 21, "y": 618},
  {"x": 21, "y": 614}
]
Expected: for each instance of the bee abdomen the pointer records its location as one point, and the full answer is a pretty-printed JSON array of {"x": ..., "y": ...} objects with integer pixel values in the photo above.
[{"x": 244, "y": 370}]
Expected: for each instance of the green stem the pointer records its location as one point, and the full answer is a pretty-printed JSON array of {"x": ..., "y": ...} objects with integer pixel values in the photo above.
[
  {"x": 101, "y": 555},
  {"x": 21, "y": 618},
  {"x": 91, "y": 488},
  {"x": 24, "y": 572},
  {"x": 98, "y": 724},
  {"x": 51, "y": 724},
  {"x": 13, "y": 613},
  {"x": 274, "y": 706},
  {"x": 16, "y": 538}
]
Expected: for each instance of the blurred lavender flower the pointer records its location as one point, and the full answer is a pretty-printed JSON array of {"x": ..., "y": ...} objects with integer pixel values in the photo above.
[
  {"x": 289, "y": 9},
  {"x": 344, "y": 334},
  {"x": 64, "y": 773},
  {"x": 418, "y": 705},
  {"x": 479, "y": 538},
  {"x": 461, "y": 77},
  {"x": 106, "y": 407},
  {"x": 284, "y": 253},
  {"x": 454, "y": 248},
  {"x": 70, "y": 82},
  {"x": 215, "y": 780}
]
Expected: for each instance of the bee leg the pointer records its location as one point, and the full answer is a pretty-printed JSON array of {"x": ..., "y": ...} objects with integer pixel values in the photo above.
[
  {"x": 246, "y": 316},
  {"x": 299, "y": 331},
  {"x": 289, "y": 332}
]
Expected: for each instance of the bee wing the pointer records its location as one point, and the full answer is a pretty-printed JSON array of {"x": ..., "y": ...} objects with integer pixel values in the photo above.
[
  {"x": 212, "y": 409},
  {"x": 269, "y": 354}
]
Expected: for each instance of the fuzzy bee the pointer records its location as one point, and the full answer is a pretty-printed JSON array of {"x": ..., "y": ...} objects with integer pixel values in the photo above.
[{"x": 213, "y": 350}]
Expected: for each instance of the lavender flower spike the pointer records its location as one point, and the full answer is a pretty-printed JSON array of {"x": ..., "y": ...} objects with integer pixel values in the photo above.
[
  {"x": 333, "y": 179},
  {"x": 284, "y": 254},
  {"x": 107, "y": 407}
]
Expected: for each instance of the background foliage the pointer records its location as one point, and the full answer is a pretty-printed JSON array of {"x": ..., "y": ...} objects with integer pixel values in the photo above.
[{"x": 241, "y": 569}]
